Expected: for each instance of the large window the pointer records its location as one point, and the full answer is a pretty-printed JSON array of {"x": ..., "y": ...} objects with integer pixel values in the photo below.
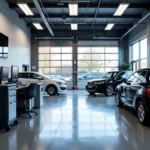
[
  {"x": 56, "y": 62},
  {"x": 97, "y": 60},
  {"x": 139, "y": 53}
]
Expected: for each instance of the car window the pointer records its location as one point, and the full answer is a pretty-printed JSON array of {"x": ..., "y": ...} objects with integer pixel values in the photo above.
[
  {"x": 141, "y": 77},
  {"x": 121, "y": 75},
  {"x": 130, "y": 79},
  {"x": 138, "y": 77},
  {"x": 129, "y": 73},
  {"x": 23, "y": 75},
  {"x": 35, "y": 76},
  {"x": 30, "y": 76}
]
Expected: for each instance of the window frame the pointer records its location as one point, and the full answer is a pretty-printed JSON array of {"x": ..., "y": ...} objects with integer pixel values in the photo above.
[
  {"x": 140, "y": 50},
  {"x": 47, "y": 70},
  {"x": 104, "y": 66}
]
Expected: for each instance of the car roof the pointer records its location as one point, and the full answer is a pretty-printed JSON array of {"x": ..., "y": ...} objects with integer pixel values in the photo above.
[
  {"x": 144, "y": 69},
  {"x": 30, "y": 72}
]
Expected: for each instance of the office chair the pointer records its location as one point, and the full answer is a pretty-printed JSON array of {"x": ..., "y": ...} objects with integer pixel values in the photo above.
[{"x": 25, "y": 95}]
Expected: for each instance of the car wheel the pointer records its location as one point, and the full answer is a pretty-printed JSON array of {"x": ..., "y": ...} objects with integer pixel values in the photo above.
[
  {"x": 91, "y": 93},
  {"x": 52, "y": 90},
  {"x": 109, "y": 90},
  {"x": 119, "y": 103},
  {"x": 7, "y": 128},
  {"x": 142, "y": 113}
]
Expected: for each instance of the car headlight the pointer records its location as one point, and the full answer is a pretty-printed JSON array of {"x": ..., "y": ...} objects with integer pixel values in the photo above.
[{"x": 59, "y": 83}]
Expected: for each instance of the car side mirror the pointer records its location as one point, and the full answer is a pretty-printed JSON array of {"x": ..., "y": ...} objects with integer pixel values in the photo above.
[{"x": 124, "y": 80}]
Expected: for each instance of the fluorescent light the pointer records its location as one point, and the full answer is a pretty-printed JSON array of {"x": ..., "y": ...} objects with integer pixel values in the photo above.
[
  {"x": 73, "y": 9},
  {"x": 74, "y": 26},
  {"x": 25, "y": 8},
  {"x": 120, "y": 10},
  {"x": 38, "y": 26},
  {"x": 109, "y": 26}
]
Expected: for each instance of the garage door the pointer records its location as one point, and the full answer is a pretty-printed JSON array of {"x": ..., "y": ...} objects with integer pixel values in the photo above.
[
  {"x": 94, "y": 61},
  {"x": 56, "y": 62}
]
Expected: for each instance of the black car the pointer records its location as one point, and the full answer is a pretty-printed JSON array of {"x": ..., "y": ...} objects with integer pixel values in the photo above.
[
  {"x": 135, "y": 92},
  {"x": 107, "y": 83}
]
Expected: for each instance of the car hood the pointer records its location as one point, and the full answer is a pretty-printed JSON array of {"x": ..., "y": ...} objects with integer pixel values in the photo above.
[
  {"x": 100, "y": 79},
  {"x": 56, "y": 80}
]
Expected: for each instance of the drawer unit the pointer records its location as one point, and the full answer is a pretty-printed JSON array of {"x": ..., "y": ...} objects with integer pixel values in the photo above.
[
  {"x": 11, "y": 108},
  {"x": 8, "y": 105},
  {"x": 12, "y": 92}
]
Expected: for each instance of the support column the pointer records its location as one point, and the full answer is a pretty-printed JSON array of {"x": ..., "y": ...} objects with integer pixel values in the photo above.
[
  {"x": 148, "y": 41},
  {"x": 34, "y": 54},
  {"x": 123, "y": 51},
  {"x": 75, "y": 73}
]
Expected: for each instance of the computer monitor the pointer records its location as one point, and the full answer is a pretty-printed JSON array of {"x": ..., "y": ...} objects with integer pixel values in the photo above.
[
  {"x": 4, "y": 74},
  {"x": 14, "y": 73}
]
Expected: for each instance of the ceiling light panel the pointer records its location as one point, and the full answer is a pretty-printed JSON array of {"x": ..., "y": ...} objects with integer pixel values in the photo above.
[
  {"x": 73, "y": 9},
  {"x": 38, "y": 26},
  {"x": 109, "y": 26},
  {"x": 74, "y": 26},
  {"x": 120, "y": 10},
  {"x": 25, "y": 8}
]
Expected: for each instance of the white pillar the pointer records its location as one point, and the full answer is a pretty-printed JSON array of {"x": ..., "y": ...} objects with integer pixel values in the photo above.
[{"x": 148, "y": 41}]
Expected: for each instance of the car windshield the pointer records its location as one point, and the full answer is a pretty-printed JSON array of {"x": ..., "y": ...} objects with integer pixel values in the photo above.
[
  {"x": 44, "y": 76},
  {"x": 109, "y": 75},
  {"x": 120, "y": 76}
]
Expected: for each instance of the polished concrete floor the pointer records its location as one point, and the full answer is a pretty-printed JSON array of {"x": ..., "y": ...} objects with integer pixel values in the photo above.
[{"x": 77, "y": 121}]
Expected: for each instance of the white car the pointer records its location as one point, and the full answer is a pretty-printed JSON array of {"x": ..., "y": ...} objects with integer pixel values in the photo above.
[{"x": 51, "y": 86}]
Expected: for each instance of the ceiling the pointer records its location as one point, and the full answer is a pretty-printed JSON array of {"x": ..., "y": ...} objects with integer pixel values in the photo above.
[{"x": 90, "y": 23}]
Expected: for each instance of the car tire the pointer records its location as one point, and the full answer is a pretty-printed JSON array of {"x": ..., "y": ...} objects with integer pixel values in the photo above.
[
  {"x": 7, "y": 128},
  {"x": 119, "y": 103},
  {"x": 91, "y": 93},
  {"x": 109, "y": 90},
  {"x": 142, "y": 113},
  {"x": 52, "y": 90}
]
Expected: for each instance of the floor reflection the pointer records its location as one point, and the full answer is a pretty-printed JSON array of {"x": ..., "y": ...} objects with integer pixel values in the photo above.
[{"x": 77, "y": 121}]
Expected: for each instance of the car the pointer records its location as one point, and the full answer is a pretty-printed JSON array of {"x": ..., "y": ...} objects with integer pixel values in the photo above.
[
  {"x": 135, "y": 92},
  {"x": 51, "y": 86},
  {"x": 82, "y": 73},
  {"x": 89, "y": 76},
  {"x": 107, "y": 83},
  {"x": 59, "y": 77}
]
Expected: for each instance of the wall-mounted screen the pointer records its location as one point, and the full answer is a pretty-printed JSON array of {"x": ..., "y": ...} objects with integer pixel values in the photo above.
[{"x": 3, "y": 46}]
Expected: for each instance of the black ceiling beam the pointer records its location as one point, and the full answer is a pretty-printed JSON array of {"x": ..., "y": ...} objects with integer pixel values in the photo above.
[
  {"x": 79, "y": 33},
  {"x": 83, "y": 5},
  {"x": 84, "y": 30},
  {"x": 83, "y": 25},
  {"x": 37, "y": 16},
  {"x": 88, "y": 23}
]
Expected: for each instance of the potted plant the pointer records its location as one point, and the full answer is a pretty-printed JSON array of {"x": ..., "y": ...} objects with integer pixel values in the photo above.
[{"x": 124, "y": 66}]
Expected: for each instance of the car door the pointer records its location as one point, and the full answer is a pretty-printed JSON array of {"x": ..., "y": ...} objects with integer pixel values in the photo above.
[
  {"x": 140, "y": 79},
  {"x": 125, "y": 89}
]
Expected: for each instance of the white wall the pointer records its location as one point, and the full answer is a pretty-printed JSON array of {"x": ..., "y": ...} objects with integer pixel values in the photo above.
[{"x": 19, "y": 37}]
